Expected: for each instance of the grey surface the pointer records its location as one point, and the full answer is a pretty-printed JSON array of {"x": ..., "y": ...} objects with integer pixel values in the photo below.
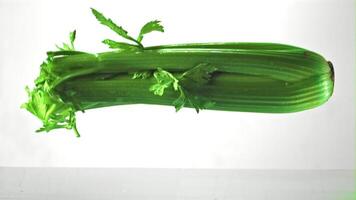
[{"x": 110, "y": 183}]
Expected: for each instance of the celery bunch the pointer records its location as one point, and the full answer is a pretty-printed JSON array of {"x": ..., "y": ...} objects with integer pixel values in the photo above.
[{"x": 251, "y": 77}]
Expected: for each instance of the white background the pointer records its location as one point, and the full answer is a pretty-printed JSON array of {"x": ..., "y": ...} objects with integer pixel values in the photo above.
[{"x": 156, "y": 136}]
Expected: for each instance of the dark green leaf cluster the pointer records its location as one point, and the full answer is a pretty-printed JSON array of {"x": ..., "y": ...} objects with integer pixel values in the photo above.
[{"x": 197, "y": 76}]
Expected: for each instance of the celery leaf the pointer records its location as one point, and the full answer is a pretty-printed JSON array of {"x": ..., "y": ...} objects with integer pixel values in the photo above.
[
  {"x": 72, "y": 38},
  {"x": 119, "y": 45},
  {"x": 200, "y": 74},
  {"x": 109, "y": 23},
  {"x": 150, "y": 27},
  {"x": 70, "y": 46},
  {"x": 164, "y": 80},
  {"x": 193, "y": 78}
]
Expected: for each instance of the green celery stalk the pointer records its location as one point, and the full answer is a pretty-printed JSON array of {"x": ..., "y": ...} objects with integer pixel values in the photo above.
[{"x": 250, "y": 77}]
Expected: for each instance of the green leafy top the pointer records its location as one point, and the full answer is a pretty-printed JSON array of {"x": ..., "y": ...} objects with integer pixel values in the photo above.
[
  {"x": 47, "y": 106},
  {"x": 147, "y": 28},
  {"x": 43, "y": 101}
]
